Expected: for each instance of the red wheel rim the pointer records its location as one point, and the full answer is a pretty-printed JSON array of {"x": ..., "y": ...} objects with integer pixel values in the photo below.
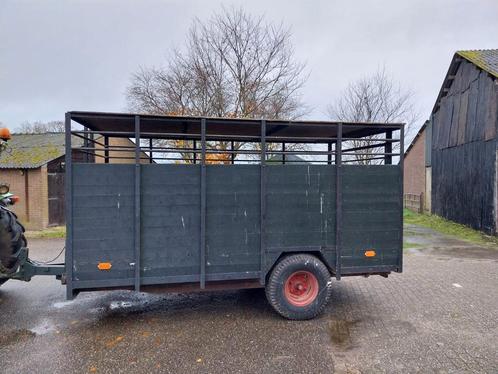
[{"x": 301, "y": 288}]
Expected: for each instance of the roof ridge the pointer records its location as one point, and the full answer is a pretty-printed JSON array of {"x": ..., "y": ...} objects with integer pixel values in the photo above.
[{"x": 478, "y": 49}]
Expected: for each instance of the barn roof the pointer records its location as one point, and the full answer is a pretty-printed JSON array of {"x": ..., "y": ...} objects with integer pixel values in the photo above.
[
  {"x": 486, "y": 59},
  {"x": 30, "y": 151}
]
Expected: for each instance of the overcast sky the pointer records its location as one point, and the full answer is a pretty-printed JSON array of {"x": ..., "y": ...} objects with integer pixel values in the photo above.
[{"x": 65, "y": 55}]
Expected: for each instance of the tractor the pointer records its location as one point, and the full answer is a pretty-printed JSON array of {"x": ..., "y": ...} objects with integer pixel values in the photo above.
[{"x": 12, "y": 240}]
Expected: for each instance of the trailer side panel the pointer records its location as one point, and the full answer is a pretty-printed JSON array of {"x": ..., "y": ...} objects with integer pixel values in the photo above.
[
  {"x": 371, "y": 218},
  {"x": 301, "y": 217},
  {"x": 102, "y": 224}
]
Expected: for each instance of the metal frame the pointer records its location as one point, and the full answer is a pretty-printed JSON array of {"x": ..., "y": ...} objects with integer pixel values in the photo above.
[
  {"x": 338, "y": 204},
  {"x": 388, "y": 148},
  {"x": 29, "y": 269},
  {"x": 69, "y": 208},
  {"x": 401, "y": 176},
  {"x": 137, "y": 205},
  {"x": 203, "y": 136},
  {"x": 203, "y": 205},
  {"x": 262, "y": 197}
]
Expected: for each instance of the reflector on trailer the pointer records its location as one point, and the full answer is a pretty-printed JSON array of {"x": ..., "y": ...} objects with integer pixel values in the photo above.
[
  {"x": 104, "y": 266},
  {"x": 370, "y": 253}
]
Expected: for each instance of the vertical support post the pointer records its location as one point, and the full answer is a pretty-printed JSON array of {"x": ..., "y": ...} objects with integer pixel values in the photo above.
[
  {"x": 232, "y": 155},
  {"x": 92, "y": 142},
  {"x": 329, "y": 150},
  {"x": 401, "y": 192},
  {"x": 283, "y": 153},
  {"x": 203, "y": 204},
  {"x": 338, "y": 204},
  {"x": 137, "y": 204},
  {"x": 106, "y": 149},
  {"x": 69, "y": 208},
  {"x": 388, "y": 148},
  {"x": 151, "y": 156},
  {"x": 194, "y": 146},
  {"x": 262, "y": 217},
  {"x": 85, "y": 143}
]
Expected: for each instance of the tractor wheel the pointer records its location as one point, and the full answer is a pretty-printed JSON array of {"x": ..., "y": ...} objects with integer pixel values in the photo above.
[
  {"x": 299, "y": 287},
  {"x": 12, "y": 240}
]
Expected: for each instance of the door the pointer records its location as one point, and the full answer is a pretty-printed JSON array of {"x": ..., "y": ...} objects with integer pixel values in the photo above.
[{"x": 56, "y": 214}]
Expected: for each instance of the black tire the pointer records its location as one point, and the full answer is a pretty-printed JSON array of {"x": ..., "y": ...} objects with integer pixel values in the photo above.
[
  {"x": 280, "y": 277},
  {"x": 2, "y": 281},
  {"x": 12, "y": 240}
]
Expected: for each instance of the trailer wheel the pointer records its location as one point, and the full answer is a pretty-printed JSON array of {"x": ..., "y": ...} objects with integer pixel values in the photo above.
[
  {"x": 12, "y": 240},
  {"x": 299, "y": 287}
]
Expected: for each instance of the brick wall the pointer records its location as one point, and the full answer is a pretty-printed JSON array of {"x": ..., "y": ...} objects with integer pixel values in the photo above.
[
  {"x": 32, "y": 209},
  {"x": 128, "y": 155},
  {"x": 414, "y": 167}
]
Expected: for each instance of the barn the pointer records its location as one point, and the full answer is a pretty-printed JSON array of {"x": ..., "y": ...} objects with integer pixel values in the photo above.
[
  {"x": 33, "y": 166},
  {"x": 459, "y": 143}
]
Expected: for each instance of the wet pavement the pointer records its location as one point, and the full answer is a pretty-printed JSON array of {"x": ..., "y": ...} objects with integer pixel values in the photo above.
[{"x": 439, "y": 316}]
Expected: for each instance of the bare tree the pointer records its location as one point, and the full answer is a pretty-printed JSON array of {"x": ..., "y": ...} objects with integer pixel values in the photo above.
[
  {"x": 375, "y": 98},
  {"x": 39, "y": 127},
  {"x": 233, "y": 65}
]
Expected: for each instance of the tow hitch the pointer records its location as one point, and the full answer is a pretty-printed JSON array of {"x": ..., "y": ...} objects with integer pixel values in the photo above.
[{"x": 29, "y": 268}]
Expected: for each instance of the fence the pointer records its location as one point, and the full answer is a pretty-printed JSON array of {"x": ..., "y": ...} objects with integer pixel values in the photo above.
[{"x": 414, "y": 202}]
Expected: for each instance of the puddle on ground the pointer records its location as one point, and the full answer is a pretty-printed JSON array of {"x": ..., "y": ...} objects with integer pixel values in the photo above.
[
  {"x": 412, "y": 251},
  {"x": 414, "y": 233},
  {"x": 400, "y": 328},
  {"x": 15, "y": 336},
  {"x": 43, "y": 328},
  {"x": 431, "y": 242},
  {"x": 340, "y": 332},
  {"x": 452, "y": 251},
  {"x": 62, "y": 304},
  {"x": 122, "y": 305},
  {"x": 473, "y": 252}
]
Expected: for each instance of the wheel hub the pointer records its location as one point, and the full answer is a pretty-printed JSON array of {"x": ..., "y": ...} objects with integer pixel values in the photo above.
[{"x": 301, "y": 288}]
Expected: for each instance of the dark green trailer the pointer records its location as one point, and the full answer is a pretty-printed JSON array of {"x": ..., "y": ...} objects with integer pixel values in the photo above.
[{"x": 214, "y": 203}]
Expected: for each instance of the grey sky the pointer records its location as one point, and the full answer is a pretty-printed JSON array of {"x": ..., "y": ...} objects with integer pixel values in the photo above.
[{"x": 78, "y": 55}]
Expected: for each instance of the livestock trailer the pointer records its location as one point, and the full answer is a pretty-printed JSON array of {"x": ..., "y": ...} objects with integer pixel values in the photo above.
[{"x": 214, "y": 203}]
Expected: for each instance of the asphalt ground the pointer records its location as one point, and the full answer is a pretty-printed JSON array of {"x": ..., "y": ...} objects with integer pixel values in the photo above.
[{"x": 439, "y": 316}]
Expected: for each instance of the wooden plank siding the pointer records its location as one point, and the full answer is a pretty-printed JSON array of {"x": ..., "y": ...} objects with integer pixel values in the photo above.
[
  {"x": 464, "y": 150},
  {"x": 301, "y": 216}
]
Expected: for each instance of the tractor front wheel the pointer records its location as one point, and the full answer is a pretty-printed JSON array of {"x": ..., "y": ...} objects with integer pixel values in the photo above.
[{"x": 12, "y": 240}]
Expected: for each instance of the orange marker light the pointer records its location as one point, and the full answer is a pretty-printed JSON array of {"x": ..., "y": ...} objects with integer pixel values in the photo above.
[
  {"x": 370, "y": 253},
  {"x": 104, "y": 266}
]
